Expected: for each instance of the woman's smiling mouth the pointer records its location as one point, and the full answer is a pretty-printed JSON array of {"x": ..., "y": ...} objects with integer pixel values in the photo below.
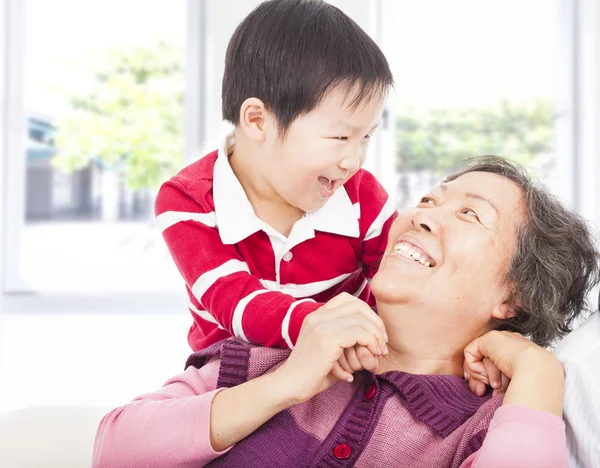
[{"x": 413, "y": 252}]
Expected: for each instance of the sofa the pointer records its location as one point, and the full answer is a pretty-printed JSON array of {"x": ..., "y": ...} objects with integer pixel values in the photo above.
[{"x": 49, "y": 437}]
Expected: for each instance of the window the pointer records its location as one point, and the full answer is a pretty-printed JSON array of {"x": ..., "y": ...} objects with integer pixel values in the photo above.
[
  {"x": 103, "y": 103},
  {"x": 472, "y": 78}
]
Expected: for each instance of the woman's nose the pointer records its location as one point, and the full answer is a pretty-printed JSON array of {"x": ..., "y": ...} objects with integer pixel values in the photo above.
[{"x": 427, "y": 220}]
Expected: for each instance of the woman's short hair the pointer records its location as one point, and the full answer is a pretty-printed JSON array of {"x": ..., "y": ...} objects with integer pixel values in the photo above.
[{"x": 556, "y": 263}]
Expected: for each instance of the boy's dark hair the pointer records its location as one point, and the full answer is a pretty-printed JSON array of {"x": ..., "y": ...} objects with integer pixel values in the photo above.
[
  {"x": 290, "y": 53},
  {"x": 556, "y": 263}
]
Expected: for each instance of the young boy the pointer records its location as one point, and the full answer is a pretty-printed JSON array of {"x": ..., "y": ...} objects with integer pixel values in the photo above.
[{"x": 282, "y": 219}]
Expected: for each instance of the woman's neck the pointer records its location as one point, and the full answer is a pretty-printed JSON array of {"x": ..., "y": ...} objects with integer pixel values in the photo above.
[
  {"x": 420, "y": 344},
  {"x": 405, "y": 361}
]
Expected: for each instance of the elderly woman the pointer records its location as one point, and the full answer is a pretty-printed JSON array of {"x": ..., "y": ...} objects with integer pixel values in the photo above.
[{"x": 487, "y": 250}]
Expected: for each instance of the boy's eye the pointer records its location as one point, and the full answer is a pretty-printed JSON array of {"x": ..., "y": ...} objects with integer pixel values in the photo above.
[
  {"x": 369, "y": 135},
  {"x": 342, "y": 138}
]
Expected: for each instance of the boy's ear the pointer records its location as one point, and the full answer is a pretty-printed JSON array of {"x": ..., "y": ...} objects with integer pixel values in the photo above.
[{"x": 254, "y": 119}]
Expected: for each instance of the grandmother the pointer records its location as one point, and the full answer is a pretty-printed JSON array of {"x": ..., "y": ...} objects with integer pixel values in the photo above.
[{"x": 485, "y": 258}]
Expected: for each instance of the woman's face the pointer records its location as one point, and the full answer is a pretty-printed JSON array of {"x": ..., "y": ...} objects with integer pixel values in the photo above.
[{"x": 450, "y": 255}]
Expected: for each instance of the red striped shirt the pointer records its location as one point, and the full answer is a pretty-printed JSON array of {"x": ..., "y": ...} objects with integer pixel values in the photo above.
[{"x": 245, "y": 279}]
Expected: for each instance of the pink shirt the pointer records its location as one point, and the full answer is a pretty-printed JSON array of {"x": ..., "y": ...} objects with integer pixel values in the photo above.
[{"x": 171, "y": 427}]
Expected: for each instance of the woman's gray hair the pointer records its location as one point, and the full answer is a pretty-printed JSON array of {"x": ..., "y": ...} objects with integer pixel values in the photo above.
[{"x": 556, "y": 263}]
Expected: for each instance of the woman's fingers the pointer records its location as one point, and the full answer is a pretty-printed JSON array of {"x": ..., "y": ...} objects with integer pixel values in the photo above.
[
  {"x": 357, "y": 329},
  {"x": 345, "y": 304},
  {"x": 340, "y": 373}
]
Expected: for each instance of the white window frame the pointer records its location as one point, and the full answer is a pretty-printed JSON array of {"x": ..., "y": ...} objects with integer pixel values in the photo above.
[{"x": 210, "y": 23}]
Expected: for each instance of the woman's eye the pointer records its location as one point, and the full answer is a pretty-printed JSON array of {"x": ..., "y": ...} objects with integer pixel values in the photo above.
[
  {"x": 342, "y": 138},
  {"x": 368, "y": 136},
  {"x": 470, "y": 212},
  {"x": 427, "y": 201}
]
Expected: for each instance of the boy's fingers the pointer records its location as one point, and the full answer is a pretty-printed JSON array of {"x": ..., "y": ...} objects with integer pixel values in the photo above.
[
  {"x": 343, "y": 362},
  {"x": 367, "y": 360},
  {"x": 352, "y": 358},
  {"x": 503, "y": 387},
  {"x": 493, "y": 373}
]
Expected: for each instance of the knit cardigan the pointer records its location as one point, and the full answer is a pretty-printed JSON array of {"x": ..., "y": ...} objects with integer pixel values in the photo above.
[{"x": 391, "y": 419}]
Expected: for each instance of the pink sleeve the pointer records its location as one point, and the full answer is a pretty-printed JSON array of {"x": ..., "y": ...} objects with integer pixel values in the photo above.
[
  {"x": 169, "y": 427},
  {"x": 522, "y": 437}
]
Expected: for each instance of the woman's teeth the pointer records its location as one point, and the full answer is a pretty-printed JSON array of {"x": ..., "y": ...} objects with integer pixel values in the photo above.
[{"x": 406, "y": 250}]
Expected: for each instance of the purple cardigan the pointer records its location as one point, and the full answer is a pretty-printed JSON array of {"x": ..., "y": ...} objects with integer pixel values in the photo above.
[{"x": 394, "y": 419}]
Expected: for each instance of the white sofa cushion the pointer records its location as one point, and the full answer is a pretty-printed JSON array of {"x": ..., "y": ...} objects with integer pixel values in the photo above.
[{"x": 49, "y": 437}]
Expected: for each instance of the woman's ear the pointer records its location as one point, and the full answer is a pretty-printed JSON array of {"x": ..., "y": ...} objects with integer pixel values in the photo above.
[
  {"x": 254, "y": 119},
  {"x": 505, "y": 310}
]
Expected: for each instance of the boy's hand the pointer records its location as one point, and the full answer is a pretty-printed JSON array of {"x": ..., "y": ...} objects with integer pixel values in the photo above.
[
  {"x": 478, "y": 380},
  {"x": 355, "y": 359}
]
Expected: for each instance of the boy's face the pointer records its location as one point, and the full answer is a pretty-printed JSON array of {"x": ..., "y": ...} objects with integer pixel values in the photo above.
[{"x": 321, "y": 150}]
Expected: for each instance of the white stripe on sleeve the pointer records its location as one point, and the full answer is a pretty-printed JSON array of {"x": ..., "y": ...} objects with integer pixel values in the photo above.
[
  {"x": 377, "y": 226},
  {"x": 361, "y": 289},
  {"x": 203, "y": 314},
  {"x": 285, "y": 325},
  {"x": 169, "y": 218},
  {"x": 209, "y": 278},
  {"x": 238, "y": 314},
  {"x": 304, "y": 290}
]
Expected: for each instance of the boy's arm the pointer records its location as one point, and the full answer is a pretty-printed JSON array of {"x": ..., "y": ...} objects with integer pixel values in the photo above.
[
  {"x": 219, "y": 278},
  {"x": 377, "y": 213}
]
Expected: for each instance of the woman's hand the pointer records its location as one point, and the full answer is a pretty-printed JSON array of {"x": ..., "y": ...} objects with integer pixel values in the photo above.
[
  {"x": 536, "y": 376},
  {"x": 344, "y": 322}
]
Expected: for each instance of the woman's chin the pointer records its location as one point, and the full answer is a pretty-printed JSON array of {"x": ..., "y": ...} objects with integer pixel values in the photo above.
[{"x": 389, "y": 293}]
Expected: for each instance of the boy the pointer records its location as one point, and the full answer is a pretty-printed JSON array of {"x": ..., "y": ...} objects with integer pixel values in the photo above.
[{"x": 282, "y": 219}]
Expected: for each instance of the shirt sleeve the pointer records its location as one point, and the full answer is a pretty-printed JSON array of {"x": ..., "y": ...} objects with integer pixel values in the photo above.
[
  {"x": 169, "y": 427},
  {"x": 377, "y": 213},
  {"x": 521, "y": 437},
  {"x": 579, "y": 354},
  {"x": 220, "y": 279}
]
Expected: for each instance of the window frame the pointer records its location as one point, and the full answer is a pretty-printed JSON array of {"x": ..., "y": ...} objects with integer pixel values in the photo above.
[{"x": 578, "y": 134}]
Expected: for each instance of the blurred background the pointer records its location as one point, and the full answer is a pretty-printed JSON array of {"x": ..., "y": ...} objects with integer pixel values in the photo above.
[{"x": 101, "y": 101}]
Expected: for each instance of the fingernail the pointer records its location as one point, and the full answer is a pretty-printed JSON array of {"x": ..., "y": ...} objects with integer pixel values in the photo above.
[
  {"x": 386, "y": 337},
  {"x": 386, "y": 351},
  {"x": 350, "y": 379},
  {"x": 465, "y": 374},
  {"x": 495, "y": 384}
]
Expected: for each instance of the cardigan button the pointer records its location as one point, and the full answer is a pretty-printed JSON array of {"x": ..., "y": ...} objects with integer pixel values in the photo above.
[
  {"x": 371, "y": 391},
  {"x": 287, "y": 256},
  {"x": 342, "y": 451}
]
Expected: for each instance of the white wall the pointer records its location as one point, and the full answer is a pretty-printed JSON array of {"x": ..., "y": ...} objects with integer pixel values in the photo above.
[
  {"x": 588, "y": 92},
  {"x": 3, "y": 158},
  {"x": 12, "y": 121}
]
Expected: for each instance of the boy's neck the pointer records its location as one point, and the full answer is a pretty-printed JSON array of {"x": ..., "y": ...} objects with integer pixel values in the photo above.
[{"x": 266, "y": 202}]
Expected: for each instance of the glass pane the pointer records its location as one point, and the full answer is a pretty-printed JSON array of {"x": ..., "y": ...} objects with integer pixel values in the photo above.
[
  {"x": 472, "y": 78},
  {"x": 104, "y": 99}
]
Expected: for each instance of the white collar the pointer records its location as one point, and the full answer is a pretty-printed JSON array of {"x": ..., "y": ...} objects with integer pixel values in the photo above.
[{"x": 236, "y": 218}]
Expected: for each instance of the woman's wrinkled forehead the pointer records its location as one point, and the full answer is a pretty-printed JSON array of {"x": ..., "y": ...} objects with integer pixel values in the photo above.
[{"x": 494, "y": 191}]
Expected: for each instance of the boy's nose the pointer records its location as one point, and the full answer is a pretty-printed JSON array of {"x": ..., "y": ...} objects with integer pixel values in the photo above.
[{"x": 351, "y": 161}]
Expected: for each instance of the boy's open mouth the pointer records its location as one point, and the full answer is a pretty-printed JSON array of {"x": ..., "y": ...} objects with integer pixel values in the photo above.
[{"x": 328, "y": 186}]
